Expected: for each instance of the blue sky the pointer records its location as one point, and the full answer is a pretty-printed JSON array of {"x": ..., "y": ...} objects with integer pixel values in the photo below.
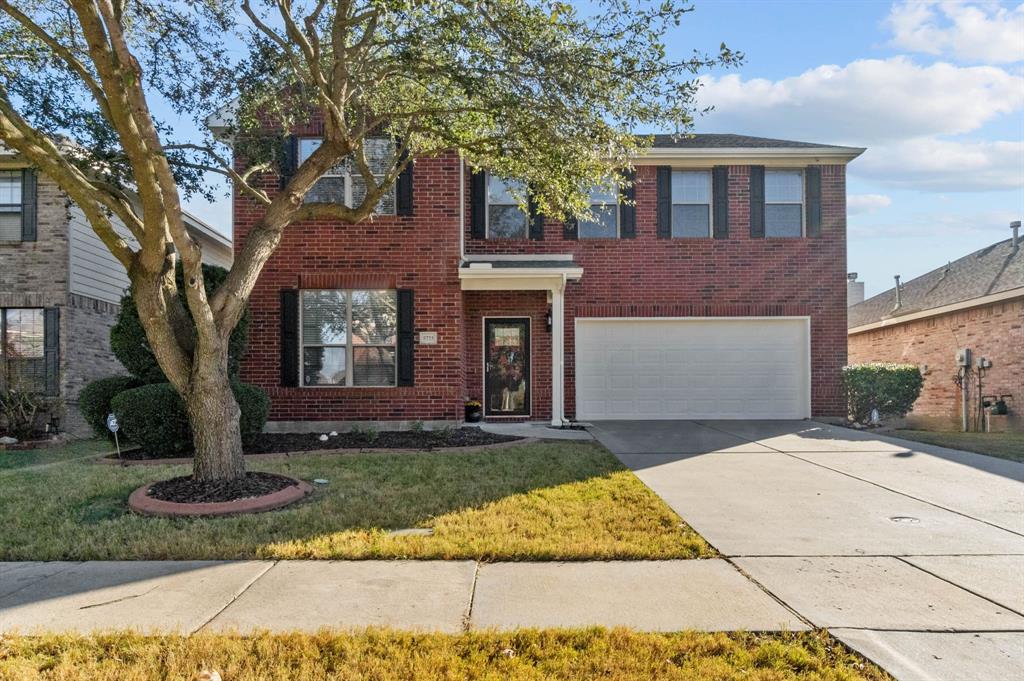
[{"x": 934, "y": 90}]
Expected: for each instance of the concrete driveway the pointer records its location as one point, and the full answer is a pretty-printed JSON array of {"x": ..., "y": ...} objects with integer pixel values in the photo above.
[{"x": 912, "y": 554}]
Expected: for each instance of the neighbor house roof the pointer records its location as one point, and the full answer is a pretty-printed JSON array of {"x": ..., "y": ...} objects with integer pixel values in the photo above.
[{"x": 995, "y": 269}]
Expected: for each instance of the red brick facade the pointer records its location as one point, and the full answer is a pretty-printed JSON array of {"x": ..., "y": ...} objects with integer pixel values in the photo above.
[
  {"x": 994, "y": 331},
  {"x": 644, "y": 276}
]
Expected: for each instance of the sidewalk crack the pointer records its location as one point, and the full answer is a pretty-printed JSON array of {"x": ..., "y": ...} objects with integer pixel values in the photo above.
[
  {"x": 472, "y": 597},
  {"x": 234, "y": 598}
]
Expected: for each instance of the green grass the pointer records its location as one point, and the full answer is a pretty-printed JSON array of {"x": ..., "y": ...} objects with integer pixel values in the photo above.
[
  {"x": 552, "y": 655},
  {"x": 1003, "y": 445},
  {"x": 76, "y": 449},
  {"x": 545, "y": 501}
]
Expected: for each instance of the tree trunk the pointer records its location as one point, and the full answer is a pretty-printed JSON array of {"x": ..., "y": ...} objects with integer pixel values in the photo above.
[{"x": 214, "y": 415}]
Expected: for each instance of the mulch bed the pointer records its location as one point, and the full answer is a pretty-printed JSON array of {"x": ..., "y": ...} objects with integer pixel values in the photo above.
[
  {"x": 186, "y": 490},
  {"x": 280, "y": 443}
]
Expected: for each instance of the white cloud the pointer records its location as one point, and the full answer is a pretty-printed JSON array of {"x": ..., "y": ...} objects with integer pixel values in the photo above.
[
  {"x": 865, "y": 102},
  {"x": 901, "y": 111},
  {"x": 858, "y": 204},
  {"x": 934, "y": 164},
  {"x": 979, "y": 32},
  {"x": 987, "y": 226}
]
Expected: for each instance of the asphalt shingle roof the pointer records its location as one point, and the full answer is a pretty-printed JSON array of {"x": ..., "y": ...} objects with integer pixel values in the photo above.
[
  {"x": 731, "y": 141},
  {"x": 993, "y": 269}
]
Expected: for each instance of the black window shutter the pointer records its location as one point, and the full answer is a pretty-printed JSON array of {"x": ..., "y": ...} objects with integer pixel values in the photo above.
[
  {"x": 478, "y": 205},
  {"x": 406, "y": 333},
  {"x": 720, "y": 191},
  {"x": 289, "y": 158},
  {"x": 289, "y": 338},
  {"x": 29, "y": 208},
  {"x": 664, "y": 202},
  {"x": 51, "y": 349},
  {"x": 571, "y": 228},
  {"x": 536, "y": 220},
  {"x": 627, "y": 211},
  {"x": 813, "y": 179},
  {"x": 756, "y": 202},
  {"x": 403, "y": 190}
]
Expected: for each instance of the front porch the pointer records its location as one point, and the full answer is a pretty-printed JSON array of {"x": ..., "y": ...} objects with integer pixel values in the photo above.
[{"x": 515, "y": 334}]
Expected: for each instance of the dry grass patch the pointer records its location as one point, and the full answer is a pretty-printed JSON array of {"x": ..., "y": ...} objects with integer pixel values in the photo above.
[
  {"x": 546, "y": 501},
  {"x": 616, "y": 655}
]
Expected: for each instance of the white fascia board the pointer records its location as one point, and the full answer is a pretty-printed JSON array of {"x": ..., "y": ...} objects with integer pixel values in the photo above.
[
  {"x": 749, "y": 156},
  {"x": 936, "y": 311},
  {"x": 194, "y": 223}
]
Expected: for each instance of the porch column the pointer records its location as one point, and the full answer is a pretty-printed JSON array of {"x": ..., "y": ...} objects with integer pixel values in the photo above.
[{"x": 558, "y": 354}]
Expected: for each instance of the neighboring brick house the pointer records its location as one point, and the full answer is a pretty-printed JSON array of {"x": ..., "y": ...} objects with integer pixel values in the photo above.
[
  {"x": 974, "y": 303},
  {"x": 717, "y": 290},
  {"x": 60, "y": 290}
]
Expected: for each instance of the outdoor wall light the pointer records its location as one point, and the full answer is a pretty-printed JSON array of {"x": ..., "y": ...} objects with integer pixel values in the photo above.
[{"x": 547, "y": 320}]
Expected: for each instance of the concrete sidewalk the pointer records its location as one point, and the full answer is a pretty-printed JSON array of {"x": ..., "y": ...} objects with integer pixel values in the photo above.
[{"x": 448, "y": 596}]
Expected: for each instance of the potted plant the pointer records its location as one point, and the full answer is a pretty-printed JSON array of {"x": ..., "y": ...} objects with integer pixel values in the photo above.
[{"x": 474, "y": 411}]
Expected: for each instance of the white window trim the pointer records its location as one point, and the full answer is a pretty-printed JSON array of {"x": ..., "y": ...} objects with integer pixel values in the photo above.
[
  {"x": 710, "y": 202},
  {"x": 803, "y": 201},
  {"x": 487, "y": 213},
  {"x": 349, "y": 345},
  {"x": 18, "y": 208},
  {"x": 618, "y": 221},
  {"x": 347, "y": 175}
]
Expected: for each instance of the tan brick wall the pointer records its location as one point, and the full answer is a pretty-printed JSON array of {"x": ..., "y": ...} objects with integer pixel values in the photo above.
[{"x": 993, "y": 331}]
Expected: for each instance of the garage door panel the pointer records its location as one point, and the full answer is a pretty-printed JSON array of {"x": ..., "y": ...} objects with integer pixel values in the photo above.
[{"x": 692, "y": 368}]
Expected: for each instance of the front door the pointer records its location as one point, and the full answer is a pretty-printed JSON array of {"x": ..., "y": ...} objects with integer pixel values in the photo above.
[{"x": 507, "y": 367}]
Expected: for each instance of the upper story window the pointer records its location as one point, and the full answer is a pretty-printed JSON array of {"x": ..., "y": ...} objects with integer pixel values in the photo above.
[
  {"x": 344, "y": 183},
  {"x": 505, "y": 219},
  {"x": 604, "y": 209},
  {"x": 22, "y": 356},
  {"x": 783, "y": 203},
  {"x": 10, "y": 205},
  {"x": 349, "y": 337},
  {"x": 691, "y": 203}
]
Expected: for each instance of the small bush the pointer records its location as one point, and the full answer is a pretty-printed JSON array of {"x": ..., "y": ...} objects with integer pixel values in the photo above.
[
  {"x": 94, "y": 400},
  {"x": 255, "y": 407},
  {"x": 892, "y": 389},
  {"x": 153, "y": 416},
  {"x": 131, "y": 347}
]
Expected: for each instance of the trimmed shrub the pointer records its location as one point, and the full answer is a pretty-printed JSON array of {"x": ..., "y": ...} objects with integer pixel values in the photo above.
[
  {"x": 255, "y": 407},
  {"x": 94, "y": 401},
  {"x": 153, "y": 416},
  {"x": 892, "y": 389},
  {"x": 131, "y": 347}
]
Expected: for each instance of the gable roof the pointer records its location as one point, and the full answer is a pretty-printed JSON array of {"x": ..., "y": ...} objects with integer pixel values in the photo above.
[
  {"x": 733, "y": 141},
  {"x": 998, "y": 268}
]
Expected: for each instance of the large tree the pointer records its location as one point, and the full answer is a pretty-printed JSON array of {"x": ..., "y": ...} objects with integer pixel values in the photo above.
[{"x": 532, "y": 89}]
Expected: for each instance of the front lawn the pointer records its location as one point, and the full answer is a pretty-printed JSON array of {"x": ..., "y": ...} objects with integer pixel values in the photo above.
[
  {"x": 75, "y": 449},
  {"x": 1003, "y": 445},
  {"x": 544, "y": 501},
  {"x": 616, "y": 655}
]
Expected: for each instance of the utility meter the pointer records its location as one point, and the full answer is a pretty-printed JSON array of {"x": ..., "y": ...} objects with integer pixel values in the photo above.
[{"x": 963, "y": 357}]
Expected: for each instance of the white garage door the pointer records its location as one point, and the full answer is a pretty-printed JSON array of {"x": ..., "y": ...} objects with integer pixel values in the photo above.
[{"x": 742, "y": 368}]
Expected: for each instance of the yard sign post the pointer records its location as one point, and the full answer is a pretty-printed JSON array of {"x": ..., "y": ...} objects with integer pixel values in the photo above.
[{"x": 113, "y": 427}]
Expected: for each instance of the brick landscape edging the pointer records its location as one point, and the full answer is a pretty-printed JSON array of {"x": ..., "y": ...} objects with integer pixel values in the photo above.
[
  {"x": 342, "y": 450},
  {"x": 142, "y": 503}
]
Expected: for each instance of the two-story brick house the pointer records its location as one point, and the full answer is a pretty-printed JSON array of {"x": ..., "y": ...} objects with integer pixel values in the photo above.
[
  {"x": 716, "y": 289},
  {"x": 60, "y": 289}
]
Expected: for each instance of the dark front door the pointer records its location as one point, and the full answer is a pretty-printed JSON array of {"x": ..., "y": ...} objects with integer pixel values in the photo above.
[{"x": 507, "y": 367}]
